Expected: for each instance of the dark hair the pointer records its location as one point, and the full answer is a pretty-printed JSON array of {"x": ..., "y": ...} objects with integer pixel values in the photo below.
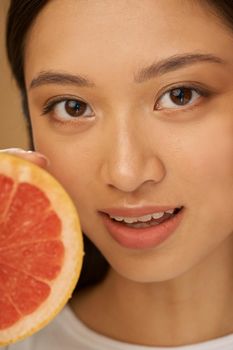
[
  {"x": 223, "y": 9},
  {"x": 20, "y": 17}
]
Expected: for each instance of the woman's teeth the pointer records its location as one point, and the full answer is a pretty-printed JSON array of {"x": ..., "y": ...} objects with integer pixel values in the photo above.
[{"x": 143, "y": 221}]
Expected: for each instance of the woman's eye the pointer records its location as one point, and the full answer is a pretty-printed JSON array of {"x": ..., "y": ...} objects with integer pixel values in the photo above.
[
  {"x": 178, "y": 97},
  {"x": 68, "y": 109}
]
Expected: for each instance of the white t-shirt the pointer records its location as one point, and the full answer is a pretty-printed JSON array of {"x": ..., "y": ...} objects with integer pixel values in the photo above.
[{"x": 67, "y": 332}]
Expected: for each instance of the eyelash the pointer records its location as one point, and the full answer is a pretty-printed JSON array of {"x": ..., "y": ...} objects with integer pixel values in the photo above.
[
  {"x": 202, "y": 92},
  {"x": 51, "y": 104}
]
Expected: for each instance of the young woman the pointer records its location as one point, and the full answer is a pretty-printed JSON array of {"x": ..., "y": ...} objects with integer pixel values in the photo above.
[{"x": 132, "y": 103}]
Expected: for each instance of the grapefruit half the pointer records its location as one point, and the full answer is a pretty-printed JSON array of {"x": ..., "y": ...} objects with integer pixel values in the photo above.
[{"x": 41, "y": 248}]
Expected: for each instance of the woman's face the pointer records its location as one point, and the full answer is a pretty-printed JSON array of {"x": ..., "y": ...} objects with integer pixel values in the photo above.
[{"x": 132, "y": 142}]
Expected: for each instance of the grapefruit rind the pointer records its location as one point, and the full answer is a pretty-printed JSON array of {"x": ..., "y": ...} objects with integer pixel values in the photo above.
[{"x": 62, "y": 287}]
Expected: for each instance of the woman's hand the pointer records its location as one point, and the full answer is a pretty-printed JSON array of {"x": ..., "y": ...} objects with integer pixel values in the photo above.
[{"x": 32, "y": 156}]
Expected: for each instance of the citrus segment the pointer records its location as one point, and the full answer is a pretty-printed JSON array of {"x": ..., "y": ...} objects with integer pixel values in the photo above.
[
  {"x": 42, "y": 259},
  {"x": 10, "y": 314},
  {"x": 41, "y": 248},
  {"x": 23, "y": 291}
]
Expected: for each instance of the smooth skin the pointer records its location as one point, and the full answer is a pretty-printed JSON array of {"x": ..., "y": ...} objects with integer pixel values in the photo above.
[{"x": 134, "y": 146}]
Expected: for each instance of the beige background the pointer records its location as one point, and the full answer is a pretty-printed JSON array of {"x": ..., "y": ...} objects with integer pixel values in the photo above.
[{"x": 12, "y": 125}]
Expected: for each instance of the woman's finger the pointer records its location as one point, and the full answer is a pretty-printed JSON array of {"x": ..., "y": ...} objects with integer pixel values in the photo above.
[{"x": 33, "y": 156}]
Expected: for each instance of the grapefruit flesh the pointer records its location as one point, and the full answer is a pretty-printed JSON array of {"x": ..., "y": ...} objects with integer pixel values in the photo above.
[{"x": 41, "y": 248}]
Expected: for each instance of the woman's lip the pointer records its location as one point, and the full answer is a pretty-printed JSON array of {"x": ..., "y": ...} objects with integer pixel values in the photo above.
[{"x": 142, "y": 238}]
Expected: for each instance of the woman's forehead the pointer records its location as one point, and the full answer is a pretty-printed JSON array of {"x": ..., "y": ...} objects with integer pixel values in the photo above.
[{"x": 121, "y": 33}]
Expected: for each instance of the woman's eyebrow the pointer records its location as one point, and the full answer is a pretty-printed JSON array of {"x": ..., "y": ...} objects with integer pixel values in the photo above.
[
  {"x": 158, "y": 68},
  {"x": 174, "y": 63},
  {"x": 60, "y": 78}
]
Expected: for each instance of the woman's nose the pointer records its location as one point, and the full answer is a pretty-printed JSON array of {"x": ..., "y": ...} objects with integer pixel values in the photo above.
[{"x": 130, "y": 160}]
